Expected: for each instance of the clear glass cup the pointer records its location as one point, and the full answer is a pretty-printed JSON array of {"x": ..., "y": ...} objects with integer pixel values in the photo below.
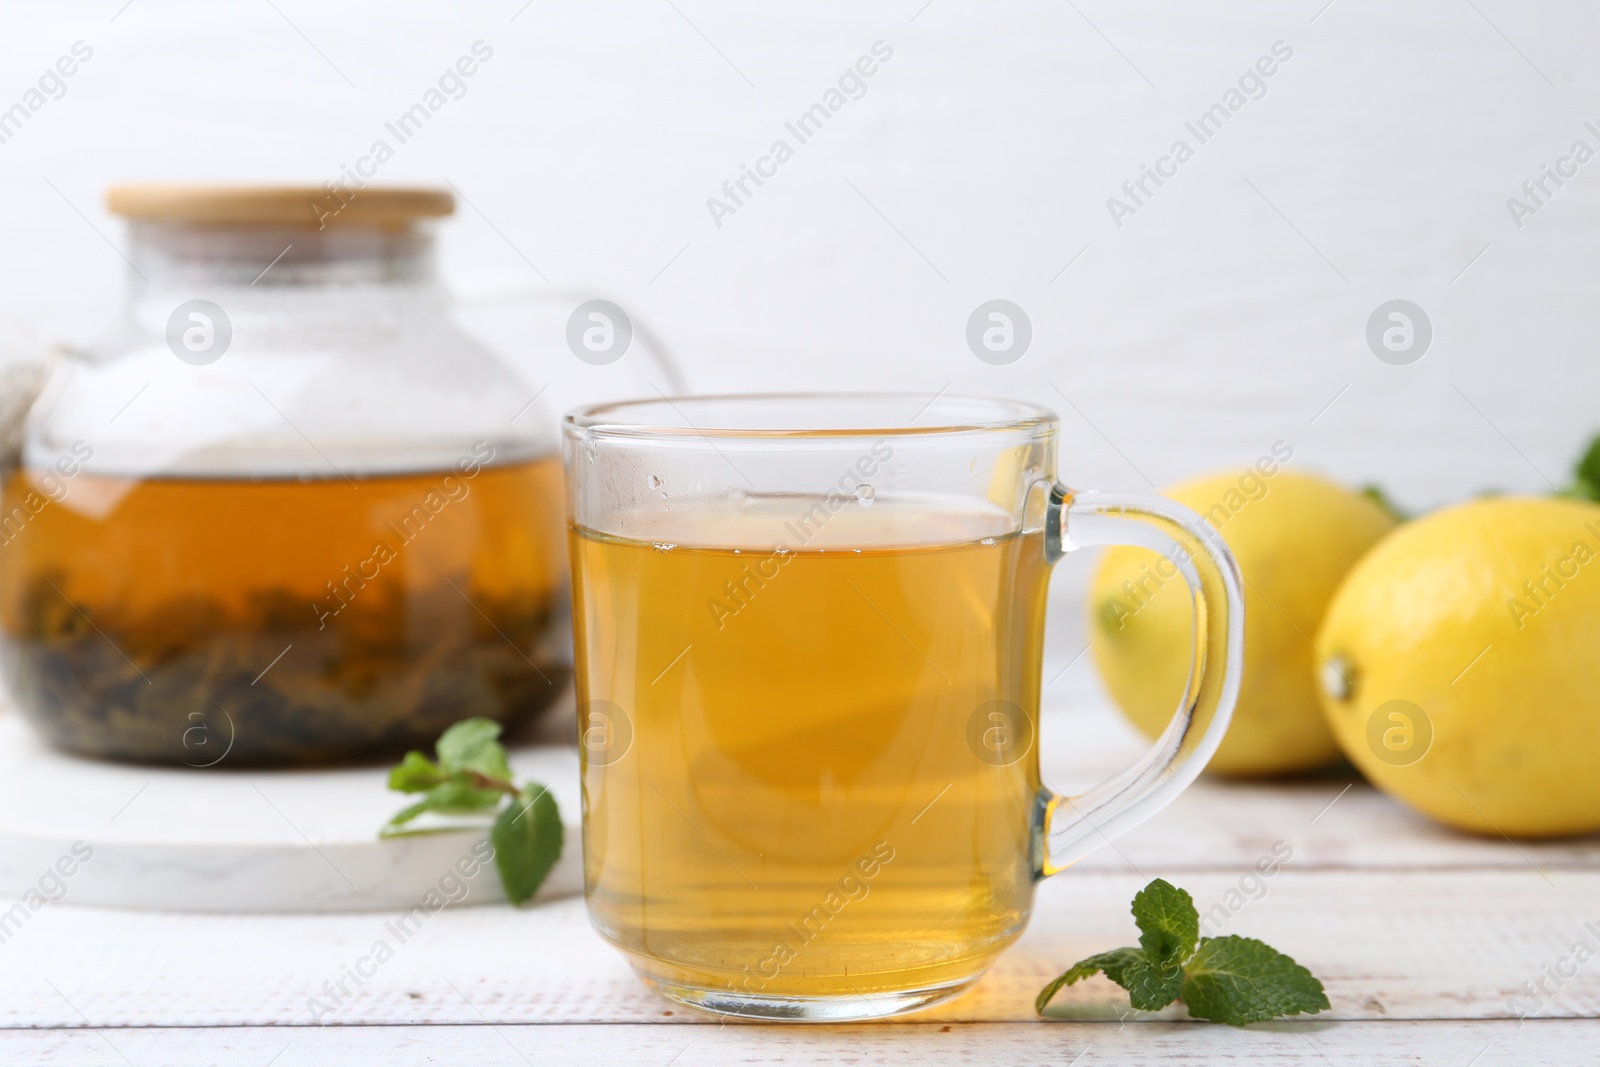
[
  {"x": 808, "y": 639},
  {"x": 289, "y": 512}
]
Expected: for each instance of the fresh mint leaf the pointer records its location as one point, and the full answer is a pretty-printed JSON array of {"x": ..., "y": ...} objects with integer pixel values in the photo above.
[
  {"x": 1151, "y": 985},
  {"x": 1169, "y": 925},
  {"x": 474, "y": 745},
  {"x": 403, "y": 816},
  {"x": 1234, "y": 980},
  {"x": 458, "y": 796},
  {"x": 455, "y": 796},
  {"x": 1239, "y": 980},
  {"x": 1077, "y": 973},
  {"x": 416, "y": 774},
  {"x": 1586, "y": 476},
  {"x": 527, "y": 842},
  {"x": 1376, "y": 494}
]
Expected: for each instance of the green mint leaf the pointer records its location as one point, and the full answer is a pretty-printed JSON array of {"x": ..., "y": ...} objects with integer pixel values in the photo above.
[
  {"x": 1076, "y": 973},
  {"x": 416, "y": 774},
  {"x": 527, "y": 841},
  {"x": 459, "y": 797},
  {"x": 1239, "y": 980},
  {"x": 455, "y": 796},
  {"x": 1151, "y": 985},
  {"x": 1376, "y": 494},
  {"x": 403, "y": 816},
  {"x": 1169, "y": 925},
  {"x": 474, "y": 745},
  {"x": 1586, "y": 475}
]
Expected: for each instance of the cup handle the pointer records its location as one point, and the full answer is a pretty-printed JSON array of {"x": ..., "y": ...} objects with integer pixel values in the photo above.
[{"x": 1069, "y": 828}]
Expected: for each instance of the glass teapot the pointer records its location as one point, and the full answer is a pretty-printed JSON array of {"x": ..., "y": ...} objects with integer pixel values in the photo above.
[{"x": 291, "y": 513}]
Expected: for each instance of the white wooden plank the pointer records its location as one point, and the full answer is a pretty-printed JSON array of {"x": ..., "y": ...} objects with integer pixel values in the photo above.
[
  {"x": 1439, "y": 944},
  {"x": 1222, "y": 824},
  {"x": 1374, "y": 1044}
]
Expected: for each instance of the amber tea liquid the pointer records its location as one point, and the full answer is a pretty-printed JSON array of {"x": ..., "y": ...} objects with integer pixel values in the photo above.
[
  {"x": 783, "y": 792},
  {"x": 284, "y": 620}
]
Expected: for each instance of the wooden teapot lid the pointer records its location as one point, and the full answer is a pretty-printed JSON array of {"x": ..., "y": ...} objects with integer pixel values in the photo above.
[{"x": 388, "y": 207}]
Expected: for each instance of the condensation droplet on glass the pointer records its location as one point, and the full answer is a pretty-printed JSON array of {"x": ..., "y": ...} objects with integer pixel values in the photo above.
[{"x": 866, "y": 494}]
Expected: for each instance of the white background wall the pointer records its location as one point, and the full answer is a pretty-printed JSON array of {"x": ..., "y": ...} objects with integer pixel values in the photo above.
[{"x": 1225, "y": 315}]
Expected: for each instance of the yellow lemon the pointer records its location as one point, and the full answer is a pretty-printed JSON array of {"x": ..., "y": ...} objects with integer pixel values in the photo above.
[
  {"x": 1467, "y": 679},
  {"x": 1295, "y": 536}
]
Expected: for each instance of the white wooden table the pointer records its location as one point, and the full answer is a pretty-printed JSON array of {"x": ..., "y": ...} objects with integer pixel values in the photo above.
[{"x": 1421, "y": 935}]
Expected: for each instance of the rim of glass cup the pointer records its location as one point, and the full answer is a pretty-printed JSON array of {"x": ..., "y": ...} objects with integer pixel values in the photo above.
[{"x": 628, "y": 418}]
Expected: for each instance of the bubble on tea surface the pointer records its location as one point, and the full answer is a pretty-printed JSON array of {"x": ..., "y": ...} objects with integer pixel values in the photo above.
[{"x": 866, "y": 494}]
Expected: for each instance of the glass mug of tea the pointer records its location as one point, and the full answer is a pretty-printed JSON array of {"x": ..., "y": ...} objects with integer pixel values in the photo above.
[{"x": 808, "y": 642}]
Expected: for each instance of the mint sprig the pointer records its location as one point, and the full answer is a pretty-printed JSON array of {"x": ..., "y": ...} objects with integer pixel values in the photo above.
[
  {"x": 1233, "y": 980},
  {"x": 473, "y": 777}
]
